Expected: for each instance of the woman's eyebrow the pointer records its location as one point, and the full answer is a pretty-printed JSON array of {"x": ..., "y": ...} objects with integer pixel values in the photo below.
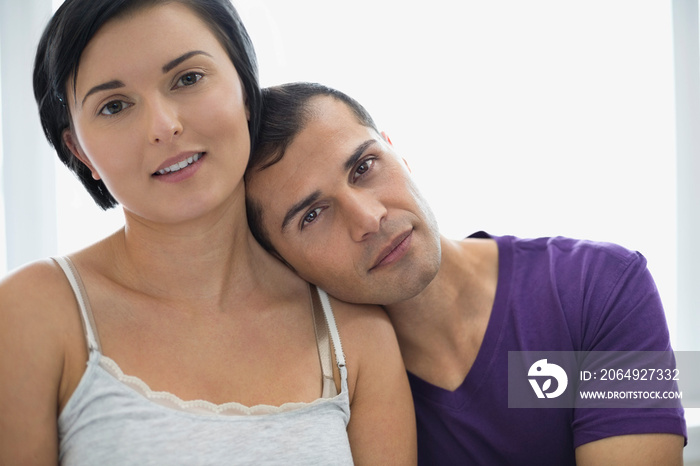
[
  {"x": 167, "y": 67},
  {"x": 102, "y": 87},
  {"x": 173, "y": 63}
]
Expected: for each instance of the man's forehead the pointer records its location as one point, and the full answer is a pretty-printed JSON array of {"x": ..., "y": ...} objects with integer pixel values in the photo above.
[
  {"x": 330, "y": 135},
  {"x": 333, "y": 120},
  {"x": 330, "y": 138}
]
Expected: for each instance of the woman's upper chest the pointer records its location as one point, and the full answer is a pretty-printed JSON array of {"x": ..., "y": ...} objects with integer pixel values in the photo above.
[{"x": 256, "y": 353}]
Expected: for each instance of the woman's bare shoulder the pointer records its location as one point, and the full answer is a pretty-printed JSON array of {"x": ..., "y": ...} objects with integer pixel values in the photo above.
[
  {"x": 44, "y": 282},
  {"x": 34, "y": 282},
  {"x": 360, "y": 318},
  {"x": 36, "y": 296},
  {"x": 365, "y": 331},
  {"x": 34, "y": 302},
  {"x": 382, "y": 427}
]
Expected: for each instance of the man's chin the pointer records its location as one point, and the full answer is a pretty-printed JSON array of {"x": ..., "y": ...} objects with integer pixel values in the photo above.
[{"x": 381, "y": 295}]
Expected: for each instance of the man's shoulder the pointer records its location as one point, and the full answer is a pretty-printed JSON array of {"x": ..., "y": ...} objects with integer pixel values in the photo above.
[{"x": 566, "y": 250}]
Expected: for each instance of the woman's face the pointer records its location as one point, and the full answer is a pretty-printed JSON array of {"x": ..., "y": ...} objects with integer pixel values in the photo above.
[{"x": 159, "y": 115}]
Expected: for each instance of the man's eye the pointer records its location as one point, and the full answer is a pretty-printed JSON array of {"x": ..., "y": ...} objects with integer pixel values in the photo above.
[
  {"x": 311, "y": 217},
  {"x": 113, "y": 107},
  {"x": 189, "y": 79},
  {"x": 363, "y": 168}
]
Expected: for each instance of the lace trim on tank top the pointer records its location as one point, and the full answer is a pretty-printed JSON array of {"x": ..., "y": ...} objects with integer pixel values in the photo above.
[{"x": 170, "y": 400}]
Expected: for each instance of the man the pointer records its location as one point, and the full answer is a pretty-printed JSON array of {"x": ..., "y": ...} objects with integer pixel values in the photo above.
[{"x": 329, "y": 196}]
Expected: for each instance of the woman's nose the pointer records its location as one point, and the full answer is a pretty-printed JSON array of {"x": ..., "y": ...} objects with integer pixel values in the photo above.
[{"x": 164, "y": 121}]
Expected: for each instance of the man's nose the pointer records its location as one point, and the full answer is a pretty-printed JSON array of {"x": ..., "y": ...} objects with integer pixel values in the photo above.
[{"x": 364, "y": 213}]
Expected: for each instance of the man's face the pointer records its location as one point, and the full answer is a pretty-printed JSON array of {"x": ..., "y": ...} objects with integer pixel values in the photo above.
[{"x": 342, "y": 210}]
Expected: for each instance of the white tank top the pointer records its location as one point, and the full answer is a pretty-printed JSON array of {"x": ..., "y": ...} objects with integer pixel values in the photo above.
[{"x": 115, "y": 419}]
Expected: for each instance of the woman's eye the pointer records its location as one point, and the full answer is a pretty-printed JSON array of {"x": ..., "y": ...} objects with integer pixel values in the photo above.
[
  {"x": 189, "y": 79},
  {"x": 363, "y": 168},
  {"x": 114, "y": 107},
  {"x": 311, "y": 217}
]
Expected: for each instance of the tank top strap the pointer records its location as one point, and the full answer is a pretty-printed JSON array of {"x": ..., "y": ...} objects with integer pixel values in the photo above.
[
  {"x": 327, "y": 335},
  {"x": 323, "y": 342},
  {"x": 81, "y": 297}
]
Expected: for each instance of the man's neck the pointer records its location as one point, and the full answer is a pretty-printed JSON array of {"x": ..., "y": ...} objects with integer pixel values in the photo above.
[{"x": 441, "y": 329}]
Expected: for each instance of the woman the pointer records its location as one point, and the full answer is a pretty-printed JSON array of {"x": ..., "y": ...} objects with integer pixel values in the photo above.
[{"x": 201, "y": 348}]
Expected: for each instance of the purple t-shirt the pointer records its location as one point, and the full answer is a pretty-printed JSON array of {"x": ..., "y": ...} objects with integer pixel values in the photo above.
[{"x": 553, "y": 294}]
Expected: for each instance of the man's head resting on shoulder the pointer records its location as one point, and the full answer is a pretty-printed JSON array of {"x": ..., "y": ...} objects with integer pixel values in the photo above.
[{"x": 327, "y": 194}]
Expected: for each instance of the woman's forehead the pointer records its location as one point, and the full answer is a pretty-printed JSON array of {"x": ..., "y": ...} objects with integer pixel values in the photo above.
[{"x": 148, "y": 39}]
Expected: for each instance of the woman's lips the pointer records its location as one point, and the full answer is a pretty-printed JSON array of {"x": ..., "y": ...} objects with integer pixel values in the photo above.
[
  {"x": 185, "y": 161},
  {"x": 183, "y": 171}
]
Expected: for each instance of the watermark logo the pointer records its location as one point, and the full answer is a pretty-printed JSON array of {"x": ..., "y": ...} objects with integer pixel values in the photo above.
[
  {"x": 603, "y": 379},
  {"x": 547, "y": 371}
]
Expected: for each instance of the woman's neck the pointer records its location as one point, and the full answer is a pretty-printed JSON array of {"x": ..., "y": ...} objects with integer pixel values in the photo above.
[{"x": 213, "y": 254}]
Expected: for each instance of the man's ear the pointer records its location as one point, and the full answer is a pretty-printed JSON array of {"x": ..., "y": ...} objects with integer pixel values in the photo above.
[
  {"x": 407, "y": 165},
  {"x": 388, "y": 140},
  {"x": 72, "y": 144}
]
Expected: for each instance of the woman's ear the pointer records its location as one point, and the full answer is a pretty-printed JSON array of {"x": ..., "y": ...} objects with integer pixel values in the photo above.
[{"x": 72, "y": 144}]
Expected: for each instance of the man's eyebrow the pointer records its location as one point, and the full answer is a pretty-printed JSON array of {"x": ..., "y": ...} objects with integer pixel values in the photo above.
[
  {"x": 115, "y": 84},
  {"x": 311, "y": 198},
  {"x": 102, "y": 87},
  {"x": 352, "y": 160},
  {"x": 298, "y": 207},
  {"x": 173, "y": 63}
]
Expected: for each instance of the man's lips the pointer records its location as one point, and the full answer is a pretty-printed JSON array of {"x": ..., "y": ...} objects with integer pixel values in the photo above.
[{"x": 395, "y": 250}]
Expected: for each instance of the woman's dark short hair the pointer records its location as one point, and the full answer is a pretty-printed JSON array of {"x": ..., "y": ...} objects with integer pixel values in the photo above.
[
  {"x": 286, "y": 110},
  {"x": 71, "y": 29}
]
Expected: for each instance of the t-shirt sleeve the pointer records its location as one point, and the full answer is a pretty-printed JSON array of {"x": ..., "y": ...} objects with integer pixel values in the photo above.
[{"x": 621, "y": 311}]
